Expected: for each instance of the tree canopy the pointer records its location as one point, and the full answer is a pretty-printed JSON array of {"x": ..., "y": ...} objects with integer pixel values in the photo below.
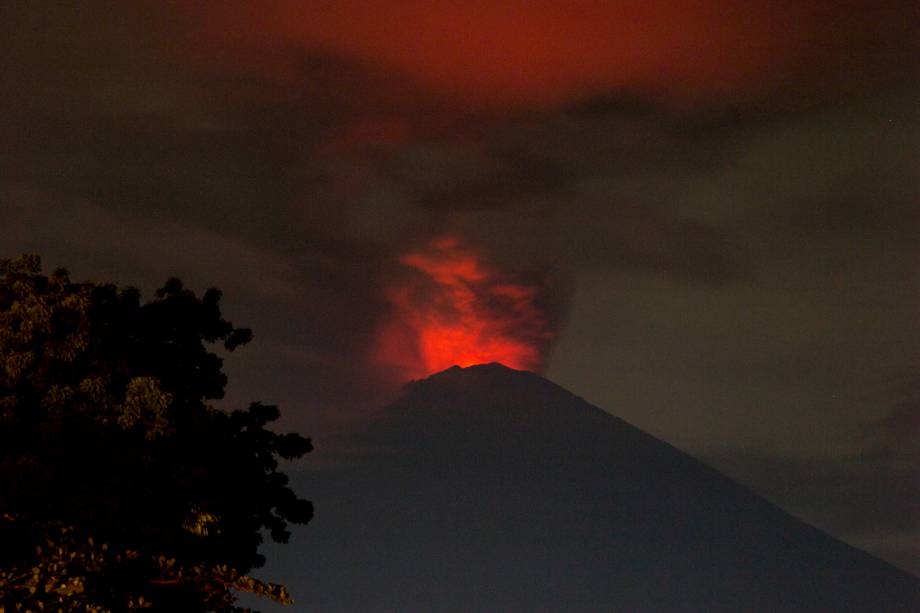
[{"x": 121, "y": 487}]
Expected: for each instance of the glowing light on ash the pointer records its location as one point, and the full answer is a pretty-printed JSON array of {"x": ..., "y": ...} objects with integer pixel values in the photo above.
[{"x": 452, "y": 308}]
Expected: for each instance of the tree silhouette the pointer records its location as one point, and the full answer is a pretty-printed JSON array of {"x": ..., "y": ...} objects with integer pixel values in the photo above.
[{"x": 121, "y": 488}]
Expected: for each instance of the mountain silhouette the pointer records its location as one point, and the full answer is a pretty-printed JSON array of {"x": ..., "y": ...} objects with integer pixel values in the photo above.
[{"x": 490, "y": 489}]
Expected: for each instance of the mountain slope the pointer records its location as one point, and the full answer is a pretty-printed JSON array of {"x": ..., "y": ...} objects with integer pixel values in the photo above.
[{"x": 489, "y": 489}]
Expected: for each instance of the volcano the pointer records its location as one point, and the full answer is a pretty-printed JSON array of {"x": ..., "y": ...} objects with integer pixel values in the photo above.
[{"x": 490, "y": 489}]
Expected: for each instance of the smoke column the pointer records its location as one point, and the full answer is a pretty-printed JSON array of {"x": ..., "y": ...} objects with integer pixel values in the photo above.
[{"x": 452, "y": 308}]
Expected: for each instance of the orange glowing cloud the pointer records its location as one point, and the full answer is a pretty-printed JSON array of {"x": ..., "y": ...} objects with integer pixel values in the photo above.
[
  {"x": 535, "y": 52},
  {"x": 452, "y": 309}
]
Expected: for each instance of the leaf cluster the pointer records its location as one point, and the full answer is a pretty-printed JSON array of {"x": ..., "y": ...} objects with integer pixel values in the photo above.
[{"x": 112, "y": 460}]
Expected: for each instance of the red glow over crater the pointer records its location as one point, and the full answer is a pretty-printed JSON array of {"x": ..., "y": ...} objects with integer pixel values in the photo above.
[{"x": 453, "y": 309}]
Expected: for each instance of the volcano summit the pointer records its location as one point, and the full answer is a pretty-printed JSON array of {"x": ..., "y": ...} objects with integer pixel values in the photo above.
[{"x": 490, "y": 489}]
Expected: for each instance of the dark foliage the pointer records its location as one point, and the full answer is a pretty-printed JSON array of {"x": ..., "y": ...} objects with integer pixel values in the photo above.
[{"x": 120, "y": 486}]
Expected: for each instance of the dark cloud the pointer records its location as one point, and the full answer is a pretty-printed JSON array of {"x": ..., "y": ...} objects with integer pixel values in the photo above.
[
  {"x": 893, "y": 439},
  {"x": 525, "y": 53},
  {"x": 868, "y": 497},
  {"x": 306, "y": 148},
  {"x": 336, "y": 160},
  {"x": 500, "y": 179}
]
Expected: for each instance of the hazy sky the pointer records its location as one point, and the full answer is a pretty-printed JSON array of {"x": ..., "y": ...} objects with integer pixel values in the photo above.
[{"x": 700, "y": 216}]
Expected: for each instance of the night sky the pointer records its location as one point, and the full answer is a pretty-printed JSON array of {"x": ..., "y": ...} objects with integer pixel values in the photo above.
[{"x": 700, "y": 216}]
